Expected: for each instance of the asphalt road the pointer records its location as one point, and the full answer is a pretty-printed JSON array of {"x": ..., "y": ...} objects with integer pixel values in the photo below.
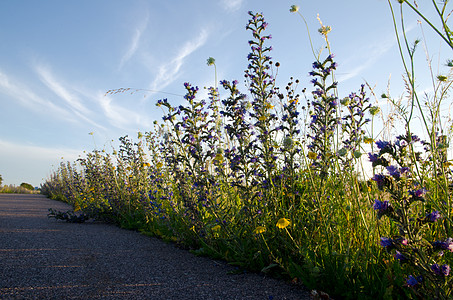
[{"x": 41, "y": 258}]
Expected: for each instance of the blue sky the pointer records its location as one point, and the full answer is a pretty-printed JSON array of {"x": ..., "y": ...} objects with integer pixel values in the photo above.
[{"x": 59, "y": 58}]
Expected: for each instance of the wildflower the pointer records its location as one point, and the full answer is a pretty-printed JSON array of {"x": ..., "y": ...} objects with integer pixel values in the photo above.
[
  {"x": 386, "y": 242},
  {"x": 216, "y": 228},
  {"x": 294, "y": 8},
  {"x": 394, "y": 172},
  {"x": 444, "y": 245},
  {"x": 374, "y": 110},
  {"x": 373, "y": 157},
  {"x": 418, "y": 194},
  {"x": 382, "y": 207},
  {"x": 324, "y": 30},
  {"x": 259, "y": 229},
  {"x": 288, "y": 143},
  {"x": 383, "y": 144},
  {"x": 440, "y": 270},
  {"x": 433, "y": 217},
  {"x": 357, "y": 154},
  {"x": 367, "y": 140},
  {"x": 400, "y": 256},
  {"x": 283, "y": 223},
  {"x": 312, "y": 155},
  {"x": 342, "y": 152},
  {"x": 411, "y": 281},
  {"x": 210, "y": 61},
  {"x": 380, "y": 180}
]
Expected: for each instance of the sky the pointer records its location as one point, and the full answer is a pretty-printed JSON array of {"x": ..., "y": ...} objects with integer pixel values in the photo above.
[{"x": 59, "y": 58}]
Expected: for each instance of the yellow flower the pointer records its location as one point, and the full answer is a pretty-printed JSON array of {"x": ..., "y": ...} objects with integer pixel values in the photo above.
[
  {"x": 367, "y": 140},
  {"x": 259, "y": 229},
  {"x": 216, "y": 228},
  {"x": 262, "y": 118},
  {"x": 283, "y": 223},
  {"x": 269, "y": 106},
  {"x": 218, "y": 157},
  {"x": 312, "y": 155}
]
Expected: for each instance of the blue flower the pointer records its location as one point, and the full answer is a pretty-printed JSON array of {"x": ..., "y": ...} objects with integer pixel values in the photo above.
[
  {"x": 418, "y": 194},
  {"x": 386, "y": 242},
  {"x": 373, "y": 157},
  {"x": 412, "y": 281},
  {"x": 381, "y": 205},
  {"x": 400, "y": 256},
  {"x": 433, "y": 217},
  {"x": 444, "y": 245},
  {"x": 443, "y": 270},
  {"x": 380, "y": 180},
  {"x": 383, "y": 144},
  {"x": 394, "y": 172}
]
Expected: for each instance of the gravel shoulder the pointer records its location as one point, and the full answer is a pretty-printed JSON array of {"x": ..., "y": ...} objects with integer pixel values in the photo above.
[{"x": 42, "y": 258}]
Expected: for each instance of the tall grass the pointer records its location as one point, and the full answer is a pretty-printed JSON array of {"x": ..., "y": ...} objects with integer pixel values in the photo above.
[
  {"x": 12, "y": 189},
  {"x": 272, "y": 180}
]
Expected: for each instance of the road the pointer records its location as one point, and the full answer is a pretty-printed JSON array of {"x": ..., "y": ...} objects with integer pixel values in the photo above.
[{"x": 41, "y": 258}]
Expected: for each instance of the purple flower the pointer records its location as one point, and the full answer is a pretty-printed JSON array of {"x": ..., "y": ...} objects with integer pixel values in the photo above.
[
  {"x": 404, "y": 170},
  {"x": 400, "y": 256},
  {"x": 373, "y": 157},
  {"x": 394, "y": 172},
  {"x": 420, "y": 193},
  {"x": 412, "y": 281},
  {"x": 444, "y": 245},
  {"x": 440, "y": 270},
  {"x": 383, "y": 144},
  {"x": 380, "y": 180},
  {"x": 446, "y": 270},
  {"x": 382, "y": 207},
  {"x": 386, "y": 242},
  {"x": 434, "y": 216}
]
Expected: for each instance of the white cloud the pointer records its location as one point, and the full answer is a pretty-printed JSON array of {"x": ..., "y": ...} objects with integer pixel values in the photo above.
[
  {"x": 30, "y": 100},
  {"x": 231, "y": 5},
  {"x": 133, "y": 46},
  {"x": 168, "y": 72},
  {"x": 119, "y": 116},
  {"x": 50, "y": 81},
  {"x": 369, "y": 55},
  {"x": 73, "y": 101}
]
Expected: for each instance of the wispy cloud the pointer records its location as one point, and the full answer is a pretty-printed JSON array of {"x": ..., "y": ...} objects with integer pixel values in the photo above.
[
  {"x": 30, "y": 100},
  {"x": 168, "y": 72},
  {"x": 133, "y": 45},
  {"x": 73, "y": 101},
  {"x": 51, "y": 82},
  {"x": 232, "y": 5},
  {"x": 120, "y": 116},
  {"x": 373, "y": 56},
  {"x": 370, "y": 54}
]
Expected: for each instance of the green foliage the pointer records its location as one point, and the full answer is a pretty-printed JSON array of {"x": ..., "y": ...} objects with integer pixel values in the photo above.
[
  {"x": 27, "y": 186},
  {"x": 12, "y": 189},
  {"x": 273, "y": 187}
]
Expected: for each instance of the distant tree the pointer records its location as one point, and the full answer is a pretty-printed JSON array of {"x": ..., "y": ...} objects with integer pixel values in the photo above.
[
  {"x": 27, "y": 186},
  {"x": 1, "y": 179}
]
